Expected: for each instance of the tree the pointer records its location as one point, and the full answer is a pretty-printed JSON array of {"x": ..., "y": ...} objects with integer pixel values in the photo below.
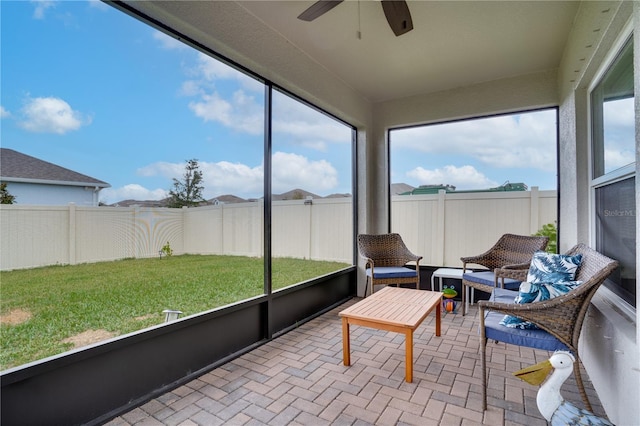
[
  {"x": 5, "y": 196},
  {"x": 187, "y": 192}
]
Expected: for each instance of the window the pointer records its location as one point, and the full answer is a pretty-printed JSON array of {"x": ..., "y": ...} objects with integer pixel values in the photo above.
[{"x": 613, "y": 170}]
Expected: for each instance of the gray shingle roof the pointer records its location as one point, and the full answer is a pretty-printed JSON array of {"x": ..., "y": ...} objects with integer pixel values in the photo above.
[{"x": 18, "y": 167}]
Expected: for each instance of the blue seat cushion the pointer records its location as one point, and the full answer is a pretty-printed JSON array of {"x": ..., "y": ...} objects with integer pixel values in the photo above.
[
  {"x": 488, "y": 278},
  {"x": 536, "y": 338},
  {"x": 382, "y": 272}
]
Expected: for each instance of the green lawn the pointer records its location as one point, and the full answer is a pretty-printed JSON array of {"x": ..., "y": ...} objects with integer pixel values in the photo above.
[{"x": 126, "y": 295}]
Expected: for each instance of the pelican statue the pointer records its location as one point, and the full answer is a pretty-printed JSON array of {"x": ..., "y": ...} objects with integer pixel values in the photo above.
[{"x": 551, "y": 404}]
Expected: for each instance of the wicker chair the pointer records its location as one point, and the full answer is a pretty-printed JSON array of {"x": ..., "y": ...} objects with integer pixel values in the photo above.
[
  {"x": 386, "y": 256},
  {"x": 559, "y": 320},
  {"x": 513, "y": 252}
]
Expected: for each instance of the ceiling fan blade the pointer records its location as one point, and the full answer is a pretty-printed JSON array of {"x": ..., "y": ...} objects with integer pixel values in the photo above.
[
  {"x": 318, "y": 9},
  {"x": 398, "y": 16}
]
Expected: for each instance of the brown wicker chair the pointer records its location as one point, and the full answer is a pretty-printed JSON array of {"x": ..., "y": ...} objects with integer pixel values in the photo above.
[
  {"x": 386, "y": 256},
  {"x": 512, "y": 252},
  {"x": 559, "y": 320}
]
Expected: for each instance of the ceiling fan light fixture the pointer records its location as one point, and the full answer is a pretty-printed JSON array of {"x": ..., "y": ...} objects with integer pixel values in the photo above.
[{"x": 396, "y": 12}]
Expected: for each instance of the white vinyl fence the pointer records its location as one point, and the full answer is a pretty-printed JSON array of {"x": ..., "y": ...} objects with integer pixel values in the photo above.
[{"x": 440, "y": 227}]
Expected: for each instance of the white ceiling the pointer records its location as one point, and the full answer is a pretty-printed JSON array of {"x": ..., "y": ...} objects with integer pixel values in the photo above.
[{"x": 453, "y": 43}]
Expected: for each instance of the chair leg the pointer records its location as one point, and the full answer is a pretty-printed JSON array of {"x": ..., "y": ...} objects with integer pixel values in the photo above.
[
  {"x": 483, "y": 356},
  {"x": 580, "y": 383}
]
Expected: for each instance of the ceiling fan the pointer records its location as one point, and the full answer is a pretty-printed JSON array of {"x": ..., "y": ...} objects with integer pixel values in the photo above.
[{"x": 396, "y": 11}]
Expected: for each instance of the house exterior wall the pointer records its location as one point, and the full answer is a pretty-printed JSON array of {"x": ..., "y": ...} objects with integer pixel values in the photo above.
[
  {"x": 27, "y": 193},
  {"x": 609, "y": 345}
]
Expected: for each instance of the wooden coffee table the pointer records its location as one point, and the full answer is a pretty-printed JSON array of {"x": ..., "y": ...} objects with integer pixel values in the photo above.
[{"x": 400, "y": 310}]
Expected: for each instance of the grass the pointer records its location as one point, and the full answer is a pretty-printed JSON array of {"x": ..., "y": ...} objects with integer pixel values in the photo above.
[{"x": 127, "y": 295}]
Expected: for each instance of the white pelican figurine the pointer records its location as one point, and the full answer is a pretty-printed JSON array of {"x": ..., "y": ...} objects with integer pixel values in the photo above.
[{"x": 551, "y": 404}]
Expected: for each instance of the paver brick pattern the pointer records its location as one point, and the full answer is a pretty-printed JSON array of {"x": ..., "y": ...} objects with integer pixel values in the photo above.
[{"x": 299, "y": 379}]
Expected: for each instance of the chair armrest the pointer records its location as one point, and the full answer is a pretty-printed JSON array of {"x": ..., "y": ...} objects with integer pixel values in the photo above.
[
  {"x": 556, "y": 316},
  {"x": 472, "y": 259},
  {"x": 507, "y": 272},
  {"x": 524, "y": 266},
  {"x": 368, "y": 262}
]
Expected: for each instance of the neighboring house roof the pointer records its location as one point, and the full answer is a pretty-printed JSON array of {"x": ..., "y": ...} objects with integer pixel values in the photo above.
[
  {"x": 18, "y": 167},
  {"x": 227, "y": 199},
  {"x": 399, "y": 188},
  {"x": 294, "y": 194},
  {"x": 141, "y": 203}
]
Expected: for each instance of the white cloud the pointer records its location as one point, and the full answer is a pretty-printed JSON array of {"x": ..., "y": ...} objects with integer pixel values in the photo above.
[
  {"x": 614, "y": 158},
  {"x": 51, "y": 115},
  {"x": 131, "y": 191},
  {"x": 168, "y": 42},
  {"x": 306, "y": 126},
  {"x": 619, "y": 112},
  {"x": 619, "y": 133},
  {"x": 211, "y": 69},
  {"x": 526, "y": 140},
  {"x": 240, "y": 113},
  {"x": 290, "y": 171},
  {"x": 243, "y": 110},
  {"x": 4, "y": 113},
  {"x": 465, "y": 177},
  {"x": 162, "y": 168},
  {"x": 41, "y": 7}
]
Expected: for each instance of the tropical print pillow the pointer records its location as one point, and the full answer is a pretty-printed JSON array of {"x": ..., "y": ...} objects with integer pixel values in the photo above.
[
  {"x": 536, "y": 292},
  {"x": 553, "y": 268},
  {"x": 549, "y": 276}
]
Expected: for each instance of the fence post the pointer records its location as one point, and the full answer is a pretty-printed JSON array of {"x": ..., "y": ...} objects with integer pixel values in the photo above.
[
  {"x": 72, "y": 234},
  {"x": 535, "y": 210},
  {"x": 439, "y": 243},
  {"x": 183, "y": 223}
]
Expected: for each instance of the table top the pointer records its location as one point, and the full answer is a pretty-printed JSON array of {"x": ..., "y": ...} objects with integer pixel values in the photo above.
[
  {"x": 448, "y": 273},
  {"x": 396, "y": 306}
]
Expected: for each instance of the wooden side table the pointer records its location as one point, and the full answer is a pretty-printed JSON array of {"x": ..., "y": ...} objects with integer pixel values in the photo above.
[{"x": 400, "y": 310}]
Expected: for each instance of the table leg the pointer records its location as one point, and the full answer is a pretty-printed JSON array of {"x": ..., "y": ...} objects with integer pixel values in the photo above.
[
  {"x": 464, "y": 299},
  {"x": 346, "y": 349},
  {"x": 409, "y": 356},
  {"x": 438, "y": 317}
]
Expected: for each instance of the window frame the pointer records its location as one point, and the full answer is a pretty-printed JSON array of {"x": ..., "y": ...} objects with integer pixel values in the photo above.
[{"x": 615, "y": 176}]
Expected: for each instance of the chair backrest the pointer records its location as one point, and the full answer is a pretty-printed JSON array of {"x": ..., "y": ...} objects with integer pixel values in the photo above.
[
  {"x": 593, "y": 271},
  {"x": 512, "y": 249},
  {"x": 384, "y": 249},
  {"x": 565, "y": 314}
]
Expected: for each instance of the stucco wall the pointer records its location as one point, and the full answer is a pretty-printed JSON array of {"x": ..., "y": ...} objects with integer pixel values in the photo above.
[{"x": 609, "y": 343}]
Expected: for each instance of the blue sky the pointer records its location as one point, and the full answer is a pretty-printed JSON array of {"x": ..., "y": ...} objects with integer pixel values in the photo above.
[{"x": 129, "y": 106}]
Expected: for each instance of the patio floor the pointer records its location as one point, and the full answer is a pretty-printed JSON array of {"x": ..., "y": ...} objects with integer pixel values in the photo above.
[{"x": 299, "y": 379}]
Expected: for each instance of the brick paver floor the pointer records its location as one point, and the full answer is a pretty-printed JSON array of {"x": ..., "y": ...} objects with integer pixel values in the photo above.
[{"x": 299, "y": 379}]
